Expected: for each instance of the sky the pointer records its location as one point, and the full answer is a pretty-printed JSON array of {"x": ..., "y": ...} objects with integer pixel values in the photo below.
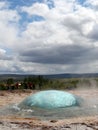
[{"x": 48, "y": 36}]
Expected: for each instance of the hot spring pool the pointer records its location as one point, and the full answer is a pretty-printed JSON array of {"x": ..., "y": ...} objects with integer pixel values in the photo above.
[{"x": 77, "y": 106}]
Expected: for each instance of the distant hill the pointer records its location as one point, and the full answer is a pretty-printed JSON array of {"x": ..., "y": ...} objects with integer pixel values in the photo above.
[
  {"x": 53, "y": 76},
  {"x": 69, "y": 75}
]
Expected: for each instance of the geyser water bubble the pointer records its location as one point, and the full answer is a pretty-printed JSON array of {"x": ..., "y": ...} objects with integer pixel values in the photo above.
[{"x": 49, "y": 99}]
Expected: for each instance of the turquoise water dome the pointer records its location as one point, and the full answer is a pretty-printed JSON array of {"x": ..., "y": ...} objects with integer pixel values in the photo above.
[{"x": 49, "y": 99}]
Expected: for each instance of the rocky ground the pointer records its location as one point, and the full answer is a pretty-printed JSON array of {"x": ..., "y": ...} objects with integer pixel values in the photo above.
[{"x": 19, "y": 123}]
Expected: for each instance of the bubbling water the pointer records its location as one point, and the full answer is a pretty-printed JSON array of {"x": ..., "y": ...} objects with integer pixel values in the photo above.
[
  {"x": 49, "y": 100},
  {"x": 53, "y": 104}
]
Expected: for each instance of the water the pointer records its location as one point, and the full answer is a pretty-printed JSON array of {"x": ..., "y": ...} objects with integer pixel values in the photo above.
[
  {"x": 88, "y": 106},
  {"x": 48, "y": 114},
  {"x": 49, "y": 100}
]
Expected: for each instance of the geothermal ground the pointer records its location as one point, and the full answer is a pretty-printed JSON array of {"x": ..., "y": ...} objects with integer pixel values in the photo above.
[{"x": 16, "y": 122}]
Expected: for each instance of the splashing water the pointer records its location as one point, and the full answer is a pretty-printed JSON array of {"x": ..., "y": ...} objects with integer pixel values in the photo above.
[{"x": 49, "y": 99}]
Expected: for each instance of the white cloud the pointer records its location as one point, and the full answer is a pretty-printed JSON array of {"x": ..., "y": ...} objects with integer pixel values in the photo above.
[
  {"x": 2, "y": 52},
  {"x": 3, "y": 5},
  {"x": 92, "y": 3},
  {"x": 4, "y": 56},
  {"x": 8, "y": 27},
  {"x": 66, "y": 41},
  {"x": 38, "y": 9}
]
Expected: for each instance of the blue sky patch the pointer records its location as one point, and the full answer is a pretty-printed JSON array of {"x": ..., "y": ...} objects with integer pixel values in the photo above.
[
  {"x": 17, "y": 3},
  {"x": 28, "y": 19},
  {"x": 81, "y": 1}
]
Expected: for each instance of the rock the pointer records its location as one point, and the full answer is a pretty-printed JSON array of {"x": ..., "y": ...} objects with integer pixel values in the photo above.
[{"x": 53, "y": 121}]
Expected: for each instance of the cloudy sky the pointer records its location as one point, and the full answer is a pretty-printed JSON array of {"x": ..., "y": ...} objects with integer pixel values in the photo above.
[{"x": 48, "y": 36}]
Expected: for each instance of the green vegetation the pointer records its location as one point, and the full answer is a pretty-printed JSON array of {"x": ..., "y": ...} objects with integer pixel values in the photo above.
[{"x": 41, "y": 83}]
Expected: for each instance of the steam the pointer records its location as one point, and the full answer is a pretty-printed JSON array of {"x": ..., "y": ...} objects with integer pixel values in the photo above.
[{"x": 87, "y": 84}]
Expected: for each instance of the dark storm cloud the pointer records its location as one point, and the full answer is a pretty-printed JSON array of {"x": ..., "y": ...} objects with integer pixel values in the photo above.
[
  {"x": 94, "y": 33},
  {"x": 6, "y": 58},
  {"x": 70, "y": 54},
  {"x": 72, "y": 23}
]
